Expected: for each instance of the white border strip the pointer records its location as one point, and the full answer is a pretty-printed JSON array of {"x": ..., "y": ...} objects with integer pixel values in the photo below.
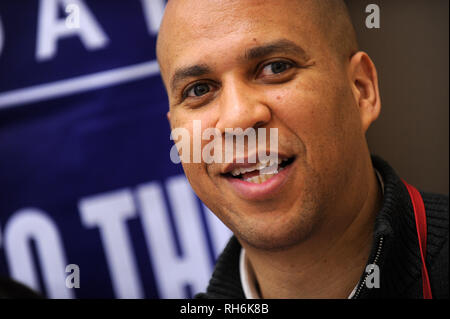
[{"x": 78, "y": 84}]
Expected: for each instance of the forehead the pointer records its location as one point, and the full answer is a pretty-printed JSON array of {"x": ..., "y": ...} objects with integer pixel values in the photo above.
[{"x": 205, "y": 30}]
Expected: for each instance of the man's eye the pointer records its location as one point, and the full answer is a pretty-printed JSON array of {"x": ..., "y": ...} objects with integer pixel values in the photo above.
[
  {"x": 198, "y": 90},
  {"x": 276, "y": 68}
]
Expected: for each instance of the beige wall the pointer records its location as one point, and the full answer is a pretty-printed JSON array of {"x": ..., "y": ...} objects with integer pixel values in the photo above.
[{"x": 411, "y": 52}]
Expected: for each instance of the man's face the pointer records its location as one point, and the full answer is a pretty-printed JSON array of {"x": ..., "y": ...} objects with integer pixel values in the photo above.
[{"x": 264, "y": 64}]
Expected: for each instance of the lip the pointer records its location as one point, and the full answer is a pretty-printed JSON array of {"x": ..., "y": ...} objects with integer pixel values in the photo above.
[{"x": 253, "y": 192}]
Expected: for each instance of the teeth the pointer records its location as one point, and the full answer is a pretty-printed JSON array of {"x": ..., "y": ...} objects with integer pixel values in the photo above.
[
  {"x": 264, "y": 169},
  {"x": 260, "y": 165},
  {"x": 235, "y": 173},
  {"x": 272, "y": 169},
  {"x": 243, "y": 170},
  {"x": 259, "y": 179}
]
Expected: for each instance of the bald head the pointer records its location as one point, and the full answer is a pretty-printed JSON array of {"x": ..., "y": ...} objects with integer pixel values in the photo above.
[
  {"x": 328, "y": 20},
  {"x": 333, "y": 19}
]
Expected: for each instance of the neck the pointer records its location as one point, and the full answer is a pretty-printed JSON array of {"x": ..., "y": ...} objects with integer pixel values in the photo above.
[{"x": 330, "y": 262}]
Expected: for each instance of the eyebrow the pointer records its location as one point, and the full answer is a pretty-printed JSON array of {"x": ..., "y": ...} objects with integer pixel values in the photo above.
[
  {"x": 279, "y": 46},
  {"x": 188, "y": 72},
  {"x": 255, "y": 53}
]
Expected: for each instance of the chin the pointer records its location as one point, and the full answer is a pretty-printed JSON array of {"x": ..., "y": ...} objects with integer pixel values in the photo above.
[{"x": 278, "y": 236}]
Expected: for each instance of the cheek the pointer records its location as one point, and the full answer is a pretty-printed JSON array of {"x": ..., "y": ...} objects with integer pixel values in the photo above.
[
  {"x": 195, "y": 171},
  {"x": 306, "y": 111},
  {"x": 183, "y": 117},
  {"x": 195, "y": 122},
  {"x": 315, "y": 112}
]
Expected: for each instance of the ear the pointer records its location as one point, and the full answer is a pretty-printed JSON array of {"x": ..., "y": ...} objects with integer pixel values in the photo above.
[
  {"x": 168, "y": 116},
  {"x": 363, "y": 76}
]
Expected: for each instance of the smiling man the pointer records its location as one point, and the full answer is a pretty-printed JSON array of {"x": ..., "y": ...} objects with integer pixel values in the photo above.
[{"x": 311, "y": 228}]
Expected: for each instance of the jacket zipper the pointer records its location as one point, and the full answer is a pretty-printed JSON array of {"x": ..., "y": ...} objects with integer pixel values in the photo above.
[{"x": 362, "y": 284}]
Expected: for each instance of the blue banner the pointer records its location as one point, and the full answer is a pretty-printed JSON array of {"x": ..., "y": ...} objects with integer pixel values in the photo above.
[{"x": 91, "y": 205}]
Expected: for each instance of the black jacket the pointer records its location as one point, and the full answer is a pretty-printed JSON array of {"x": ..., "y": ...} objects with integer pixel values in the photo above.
[{"x": 399, "y": 259}]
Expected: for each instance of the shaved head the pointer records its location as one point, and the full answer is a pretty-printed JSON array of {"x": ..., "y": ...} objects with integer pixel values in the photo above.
[
  {"x": 334, "y": 20},
  {"x": 330, "y": 17}
]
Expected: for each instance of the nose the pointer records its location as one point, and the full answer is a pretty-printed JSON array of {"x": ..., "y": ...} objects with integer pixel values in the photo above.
[{"x": 241, "y": 106}]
